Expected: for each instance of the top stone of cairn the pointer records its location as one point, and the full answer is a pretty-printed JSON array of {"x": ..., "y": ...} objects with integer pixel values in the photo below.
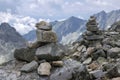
[
  {"x": 92, "y": 25},
  {"x": 43, "y": 26}
]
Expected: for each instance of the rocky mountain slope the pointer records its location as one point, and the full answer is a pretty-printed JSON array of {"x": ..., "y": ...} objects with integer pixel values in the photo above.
[
  {"x": 30, "y": 36},
  {"x": 105, "y": 19},
  {"x": 9, "y": 40}
]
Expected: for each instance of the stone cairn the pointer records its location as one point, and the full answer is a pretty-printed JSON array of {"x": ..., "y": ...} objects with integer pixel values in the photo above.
[
  {"x": 44, "y": 35},
  {"x": 93, "y": 35},
  {"x": 45, "y": 52}
]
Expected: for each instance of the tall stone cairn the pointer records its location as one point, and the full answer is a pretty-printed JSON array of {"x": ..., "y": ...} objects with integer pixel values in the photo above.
[{"x": 93, "y": 35}]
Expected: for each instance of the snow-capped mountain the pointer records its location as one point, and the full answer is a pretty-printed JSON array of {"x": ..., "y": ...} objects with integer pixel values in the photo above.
[
  {"x": 105, "y": 20},
  {"x": 68, "y": 30}
]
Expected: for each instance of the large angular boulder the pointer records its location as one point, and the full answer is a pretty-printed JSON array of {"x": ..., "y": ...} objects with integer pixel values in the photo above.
[
  {"x": 50, "y": 52},
  {"x": 25, "y": 54},
  {"x": 72, "y": 70},
  {"x": 46, "y": 36}
]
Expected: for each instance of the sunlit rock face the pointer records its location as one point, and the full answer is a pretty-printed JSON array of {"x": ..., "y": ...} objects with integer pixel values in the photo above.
[{"x": 9, "y": 40}]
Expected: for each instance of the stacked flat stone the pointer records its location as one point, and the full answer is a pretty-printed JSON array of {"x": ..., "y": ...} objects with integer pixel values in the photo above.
[
  {"x": 93, "y": 34},
  {"x": 44, "y": 33}
]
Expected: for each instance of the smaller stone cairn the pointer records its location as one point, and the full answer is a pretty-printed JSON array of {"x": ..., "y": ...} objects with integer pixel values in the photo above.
[{"x": 93, "y": 35}]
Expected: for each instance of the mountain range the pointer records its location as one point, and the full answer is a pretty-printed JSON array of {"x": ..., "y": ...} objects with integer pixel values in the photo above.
[
  {"x": 71, "y": 29},
  {"x": 68, "y": 31},
  {"x": 10, "y": 39}
]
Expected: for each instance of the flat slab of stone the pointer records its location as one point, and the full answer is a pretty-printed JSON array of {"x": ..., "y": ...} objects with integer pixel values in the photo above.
[
  {"x": 43, "y": 26},
  {"x": 92, "y": 28},
  {"x": 94, "y": 37},
  {"x": 97, "y": 73}
]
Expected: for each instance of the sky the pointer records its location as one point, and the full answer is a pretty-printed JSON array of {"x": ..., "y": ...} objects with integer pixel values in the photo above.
[
  {"x": 57, "y": 9},
  {"x": 25, "y": 13}
]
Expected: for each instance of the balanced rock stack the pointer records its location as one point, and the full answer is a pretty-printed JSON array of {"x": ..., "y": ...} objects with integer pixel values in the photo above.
[
  {"x": 44, "y": 52},
  {"x": 93, "y": 35}
]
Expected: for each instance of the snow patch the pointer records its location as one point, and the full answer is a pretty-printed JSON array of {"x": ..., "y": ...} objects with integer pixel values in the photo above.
[{"x": 70, "y": 38}]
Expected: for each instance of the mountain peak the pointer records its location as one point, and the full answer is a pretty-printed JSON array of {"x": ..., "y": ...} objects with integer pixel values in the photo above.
[
  {"x": 6, "y": 27},
  {"x": 102, "y": 11},
  {"x": 73, "y": 17},
  {"x": 9, "y": 34},
  {"x": 4, "y": 24}
]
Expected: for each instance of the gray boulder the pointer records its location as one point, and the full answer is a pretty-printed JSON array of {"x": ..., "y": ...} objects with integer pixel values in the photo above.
[
  {"x": 46, "y": 36},
  {"x": 50, "y": 52},
  {"x": 98, "y": 53},
  {"x": 25, "y": 54},
  {"x": 113, "y": 72},
  {"x": 44, "y": 69},
  {"x": 114, "y": 52},
  {"x": 30, "y": 66},
  {"x": 72, "y": 70},
  {"x": 97, "y": 74}
]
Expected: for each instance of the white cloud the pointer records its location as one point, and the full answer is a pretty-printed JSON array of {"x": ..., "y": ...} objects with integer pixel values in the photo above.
[
  {"x": 21, "y": 23},
  {"x": 58, "y": 9}
]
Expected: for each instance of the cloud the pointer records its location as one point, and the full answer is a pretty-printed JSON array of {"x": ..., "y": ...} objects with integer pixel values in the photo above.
[
  {"x": 57, "y": 9},
  {"x": 23, "y": 24}
]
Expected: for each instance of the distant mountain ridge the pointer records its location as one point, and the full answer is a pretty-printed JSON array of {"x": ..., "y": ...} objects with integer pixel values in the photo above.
[
  {"x": 63, "y": 29},
  {"x": 71, "y": 29},
  {"x": 105, "y": 20},
  {"x": 10, "y": 39}
]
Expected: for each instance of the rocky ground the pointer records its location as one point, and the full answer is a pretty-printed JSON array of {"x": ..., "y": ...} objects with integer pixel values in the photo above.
[{"x": 96, "y": 57}]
